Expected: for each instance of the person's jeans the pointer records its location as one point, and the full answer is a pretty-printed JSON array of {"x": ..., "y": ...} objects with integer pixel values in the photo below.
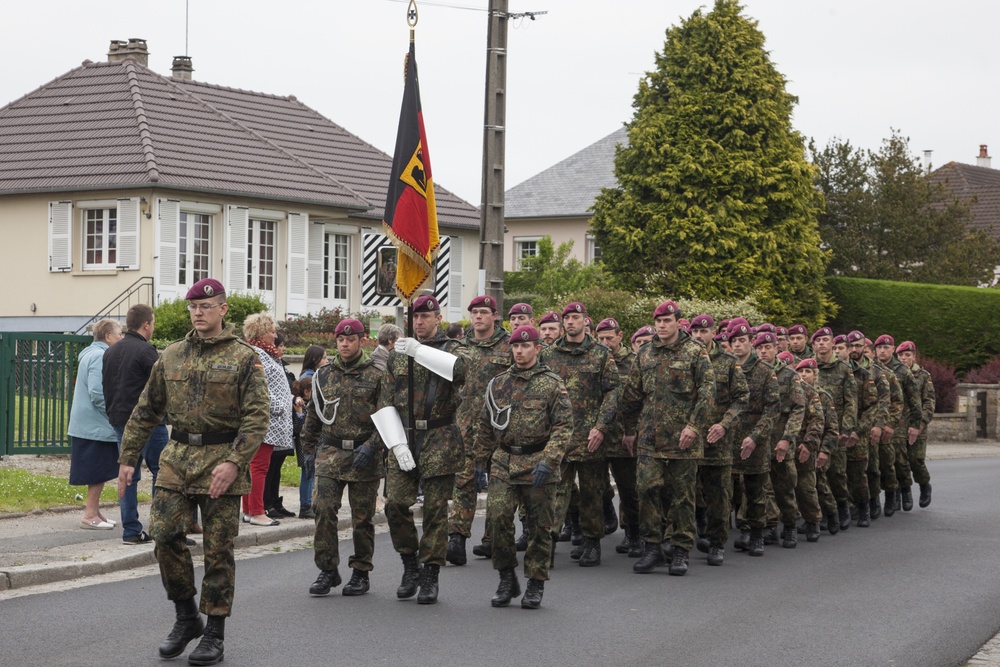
[
  {"x": 307, "y": 477},
  {"x": 129, "y": 504}
]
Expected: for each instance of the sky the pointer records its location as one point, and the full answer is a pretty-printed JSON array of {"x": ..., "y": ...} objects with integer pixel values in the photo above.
[{"x": 859, "y": 68}]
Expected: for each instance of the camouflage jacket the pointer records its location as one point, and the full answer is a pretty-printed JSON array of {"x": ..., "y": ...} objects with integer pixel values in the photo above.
[
  {"x": 210, "y": 385},
  {"x": 806, "y": 353},
  {"x": 869, "y": 410},
  {"x": 670, "y": 387},
  {"x": 793, "y": 405},
  {"x": 811, "y": 433},
  {"x": 438, "y": 451},
  {"x": 831, "y": 424},
  {"x": 881, "y": 389},
  {"x": 613, "y": 447},
  {"x": 925, "y": 387},
  {"x": 758, "y": 421},
  {"x": 895, "y": 410},
  {"x": 911, "y": 412},
  {"x": 591, "y": 378},
  {"x": 540, "y": 412},
  {"x": 731, "y": 397},
  {"x": 837, "y": 379},
  {"x": 484, "y": 360},
  {"x": 347, "y": 393}
]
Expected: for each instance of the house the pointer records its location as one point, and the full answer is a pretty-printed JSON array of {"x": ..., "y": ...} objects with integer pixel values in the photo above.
[
  {"x": 979, "y": 185},
  {"x": 112, "y": 175},
  {"x": 558, "y": 201}
]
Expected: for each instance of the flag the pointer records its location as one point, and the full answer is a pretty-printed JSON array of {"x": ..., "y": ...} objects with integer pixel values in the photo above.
[{"x": 410, "y": 217}]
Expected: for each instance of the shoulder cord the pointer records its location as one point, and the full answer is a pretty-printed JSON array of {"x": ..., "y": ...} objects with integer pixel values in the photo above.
[
  {"x": 318, "y": 385},
  {"x": 496, "y": 412}
]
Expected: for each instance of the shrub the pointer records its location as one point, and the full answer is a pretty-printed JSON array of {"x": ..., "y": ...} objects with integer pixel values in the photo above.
[
  {"x": 318, "y": 328},
  {"x": 945, "y": 384},
  {"x": 986, "y": 374},
  {"x": 173, "y": 321}
]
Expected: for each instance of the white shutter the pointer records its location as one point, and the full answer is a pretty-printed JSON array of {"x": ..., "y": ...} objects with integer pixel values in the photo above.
[
  {"x": 455, "y": 311},
  {"x": 128, "y": 234},
  {"x": 236, "y": 247},
  {"x": 298, "y": 255},
  {"x": 317, "y": 234},
  {"x": 167, "y": 248},
  {"x": 60, "y": 235}
]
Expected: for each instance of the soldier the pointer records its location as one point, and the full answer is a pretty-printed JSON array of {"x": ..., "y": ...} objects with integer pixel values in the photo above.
[
  {"x": 348, "y": 453},
  {"x": 715, "y": 468},
  {"x": 524, "y": 429},
  {"x": 840, "y": 348},
  {"x": 641, "y": 336},
  {"x": 667, "y": 400},
  {"x": 856, "y": 343},
  {"x": 894, "y": 436},
  {"x": 521, "y": 315},
  {"x": 837, "y": 378},
  {"x": 591, "y": 376},
  {"x": 436, "y": 454},
  {"x": 917, "y": 451},
  {"x": 211, "y": 387},
  {"x": 782, "y": 337},
  {"x": 869, "y": 417},
  {"x": 798, "y": 336},
  {"x": 550, "y": 327},
  {"x": 722, "y": 340},
  {"x": 487, "y": 354},
  {"x": 820, "y": 437}
]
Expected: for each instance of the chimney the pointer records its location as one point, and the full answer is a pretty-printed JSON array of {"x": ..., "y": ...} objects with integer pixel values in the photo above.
[
  {"x": 134, "y": 49},
  {"x": 181, "y": 69},
  {"x": 927, "y": 161},
  {"x": 984, "y": 158}
]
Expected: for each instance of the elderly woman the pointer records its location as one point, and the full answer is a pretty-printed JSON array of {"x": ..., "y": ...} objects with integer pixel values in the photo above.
[
  {"x": 94, "y": 454},
  {"x": 259, "y": 331}
]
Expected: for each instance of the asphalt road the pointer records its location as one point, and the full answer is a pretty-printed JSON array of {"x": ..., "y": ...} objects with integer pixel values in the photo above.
[{"x": 916, "y": 589}]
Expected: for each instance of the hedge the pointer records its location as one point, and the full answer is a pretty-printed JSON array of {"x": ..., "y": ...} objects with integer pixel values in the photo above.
[
  {"x": 173, "y": 320},
  {"x": 954, "y": 325}
]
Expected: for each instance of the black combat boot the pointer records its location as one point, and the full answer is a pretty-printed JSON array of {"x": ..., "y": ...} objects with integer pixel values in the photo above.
[
  {"x": 635, "y": 544},
  {"x": 756, "y": 542},
  {"x": 824, "y": 524},
  {"x": 716, "y": 554},
  {"x": 411, "y": 575},
  {"x": 874, "y": 507},
  {"x": 623, "y": 546},
  {"x": 812, "y": 532},
  {"x": 899, "y": 500},
  {"x": 521, "y": 544},
  {"x": 833, "y": 523},
  {"x": 890, "y": 503},
  {"x": 679, "y": 562},
  {"x": 565, "y": 533},
  {"x": 428, "y": 584},
  {"x": 358, "y": 585},
  {"x": 854, "y": 513},
  {"x": 844, "y": 513},
  {"x": 576, "y": 534},
  {"x": 210, "y": 649},
  {"x": 533, "y": 594},
  {"x": 925, "y": 494},
  {"x": 456, "y": 549},
  {"x": 484, "y": 549},
  {"x": 701, "y": 521},
  {"x": 652, "y": 556},
  {"x": 907, "y": 499},
  {"x": 508, "y": 589},
  {"x": 576, "y": 552},
  {"x": 187, "y": 627},
  {"x": 742, "y": 543},
  {"x": 591, "y": 556},
  {"x": 326, "y": 580},
  {"x": 864, "y": 515},
  {"x": 703, "y": 545},
  {"x": 789, "y": 538},
  {"x": 770, "y": 536},
  {"x": 610, "y": 516}
]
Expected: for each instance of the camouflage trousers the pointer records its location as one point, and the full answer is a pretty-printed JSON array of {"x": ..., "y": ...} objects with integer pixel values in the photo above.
[
  {"x": 805, "y": 491},
  {"x": 857, "y": 480},
  {"x": 874, "y": 482},
  {"x": 327, "y": 501},
  {"x": 915, "y": 464},
  {"x": 502, "y": 503},
  {"x": 624, "y": 470},
  {"x": 751, "y": 489},
  {"x": 836, "y": 476},
  {"x": 783, "y": 480},
  {"x": 402, "y": 488},
  {"x": 463, "y": 500},
  {"x": 666, "y": 489},
  {"x": 591, "y": 495},
  {"x": 170, "y": 517},
  {"x": 715, "y": 487},
  {"x": 826, "y": 499},
  {"x": 887, "y": 467}
]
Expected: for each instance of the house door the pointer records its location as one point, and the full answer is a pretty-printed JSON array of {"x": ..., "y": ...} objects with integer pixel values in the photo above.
[
  {"x": 193, "y": 234},
  {"x": 336, "y": 271},
  {"x": 261, "y": 251}
]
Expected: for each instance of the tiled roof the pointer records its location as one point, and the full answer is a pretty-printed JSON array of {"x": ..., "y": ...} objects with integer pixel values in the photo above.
[
  {"x": 567, "y": 188},
  {"x": 981, "y": 184},
  {"x": 110, "y": 125}
]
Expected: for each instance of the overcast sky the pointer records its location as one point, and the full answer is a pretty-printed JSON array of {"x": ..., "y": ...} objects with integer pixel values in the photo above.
[{"x": 859, "y": 68}]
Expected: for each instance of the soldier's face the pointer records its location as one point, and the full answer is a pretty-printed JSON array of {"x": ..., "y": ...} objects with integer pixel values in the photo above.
[
  {"x": 521, "y": 320},
  {"x": 550, "y": 331},
  {"x": 667, "y": 327},
  {"x": 525, "y": 353},
  {"x": 856, "y": 350},
  {"x": 808, "y": 375},
  {"x": 574, "y": 323},
  {"x": 823, "y": 345},
  {"x": 640, "y": 341},
  {"x": 610, "y": 338},
  {"x": 425, "y": 324},
  {"x": 482, "y": 321},
  {"x": 907, "y": 358},
  {"x": 884, "y": 353},
  {"x": 348, "y": 347},
  {"x": 797, "y": 342},
  {"x": 703, "y": 336},
  {"x": 841, "y": 350},
  {"x": 207, "y": 315},
  {"x": 869, "y": 352},
  {"x": 726, "y": 347},
  {"x": 740, "y": 346},
  {"x": 782, "y": 343},
  {"x": 767, "y": 352}
]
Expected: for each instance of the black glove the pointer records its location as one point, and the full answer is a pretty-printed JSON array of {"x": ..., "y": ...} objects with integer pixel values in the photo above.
[
  {"x": 310, "y": 466},
  {"x": 479, "y": 478},
  {"x": 362, "y": 456},
  {"x": 542, "y": 474}
]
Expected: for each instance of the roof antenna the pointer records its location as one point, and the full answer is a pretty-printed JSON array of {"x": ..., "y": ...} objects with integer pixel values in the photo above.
[{"x": 186, "y": 14}]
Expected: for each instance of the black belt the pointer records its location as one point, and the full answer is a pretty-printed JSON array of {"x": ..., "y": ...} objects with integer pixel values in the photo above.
[
  {"x": 349, "y": 445},
  {"x": 428, "y": 424},
  {"x": 203, "y": 438},
  {"x": 524, "y": 450}
]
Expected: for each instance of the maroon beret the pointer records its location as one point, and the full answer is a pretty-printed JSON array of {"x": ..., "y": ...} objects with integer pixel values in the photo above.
[
  {"x": 855, "y": 336},
  {"x": 885, "y": 339},
  {"x": 753, "y": 331},
  {"x": 205, "y": 288},
  {"x": 764, "y": 337},
  {"x": 524, "y": 334},
  {"x": 768, "y": 327},
  {"x": 643, "y": 331},
  {"x": 906, "y": 346},
  {"x": 738, "y": 329},
  {"x": 786, "y": 356},
  {"x": 665, "y": 308},
  {"x": 721, "y": 337},
  {"x": 608, "y": 324},
  {"x": 483, "y": 301},
  {"x": 798, "y": 329},
  {"x": 868, "y": 342},
  {"x": 549, "y": 317},
  {"x": 840, "y": 338},
  {"x": 349, "y": 327},
  {"x": 520, "y": 309},
  {"x": 426, "y": 304},
  {"x": 575, "y": 307},
  {"x": 822, "y": 331},
  {"x": 782, "y": 331},
  {"x": 589, "y": 322},
  {"x": 806, "y": 363},
  {"x": 703, "y": 322},
  {"x": 737, "y": 320}
]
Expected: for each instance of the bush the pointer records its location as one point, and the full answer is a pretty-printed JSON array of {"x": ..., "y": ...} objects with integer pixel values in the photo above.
[
  {"x": 986, "y": 374},
  {"x": 945, "y": 384},
  {"x": 173, "y": 321},
  {"x": 318, "y": 328}
]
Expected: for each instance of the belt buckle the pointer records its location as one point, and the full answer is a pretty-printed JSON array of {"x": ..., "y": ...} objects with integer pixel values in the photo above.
[
  {"x": 421, "y": 425},
  {"x": 347, "y": 444},
  {"x": 515, "y": 449},
  {"x": 194, "y": 439}
]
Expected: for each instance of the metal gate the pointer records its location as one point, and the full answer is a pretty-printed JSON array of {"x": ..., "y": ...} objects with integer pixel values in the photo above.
[{"x": 37, "y": 374}]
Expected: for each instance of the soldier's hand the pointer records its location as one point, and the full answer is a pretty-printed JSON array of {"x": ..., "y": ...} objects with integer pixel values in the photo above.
[
  {"x": 688, "y": 436},
  {"x": 403, "y": 457},
  {"x": 822, "y": 459},
  {"x": 223, "y": 476},
  {"x": 803, "y": 453},
  {"x": 747, "y": 447},
  {"x": 842, "y": 440},
  {"x": 594, "y": 440},
  {"x": 853, "y": 439},
  {"x": 362, "y": 456},
  {"x": 124, "y": 479},
  {"x": 479, "y": 480},
  {"x": 629, "y": 442},
  {"x": 716, "y": 433},
  {"x": 876, "y": 434},
  {"x": 541, "y": 474},
  {"x": 781, "y": 449},
  {"x": 887, "y": 435},
  {"x": 911, "y": 435},
  {"x": 408, "y": 346}
]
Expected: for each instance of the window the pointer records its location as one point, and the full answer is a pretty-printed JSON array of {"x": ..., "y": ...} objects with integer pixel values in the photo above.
[
  {"x": 260, "y": 255},
  {"x": 524, "y": 246},
  {"x": 593, "y": 250},
  {"x": 335, "y": 258},
  {"x": 193, "y": 251},
  {"x": 100, "y": 238}
]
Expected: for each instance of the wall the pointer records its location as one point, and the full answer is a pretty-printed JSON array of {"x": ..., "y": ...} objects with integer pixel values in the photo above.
[{"x": 560, "y": 229}]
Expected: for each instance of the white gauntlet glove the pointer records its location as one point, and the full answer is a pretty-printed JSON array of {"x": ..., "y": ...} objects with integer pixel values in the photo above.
[
  {"x": 390, "y": 427},
  {"x": 436, "y": 361}
]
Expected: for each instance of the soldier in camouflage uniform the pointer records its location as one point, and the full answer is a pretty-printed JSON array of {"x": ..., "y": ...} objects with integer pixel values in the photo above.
[
  {"x": 917, "y": 451},
  {"x": 339, "y": 433},
  {"x": 667, "y": 400},
  {"x": 869, "y": 422},
  {"x": 837, "y": 379},
  {"x": 903, "y": 430},
  {"x": 550, "y": 328},
  {"x": 806, "y": 449},
  {"x": 715, "y": 468},
  {"x": 591, "y": 376},
  {"x": 211, "y": 386},
  {"x": 436, "y": 453},
  {"x": 524, "y": 429},
  {"x": 487, "y": 354},
  {"x": 856, "y": 342},
  {"x": 798, "y": 342}
]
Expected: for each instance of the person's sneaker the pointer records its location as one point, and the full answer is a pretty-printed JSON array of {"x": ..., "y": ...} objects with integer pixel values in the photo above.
[
  {"x": 188, "y": 541},
  {"x": 306, "y": 513},
  {"x": 142, "y": 538}
]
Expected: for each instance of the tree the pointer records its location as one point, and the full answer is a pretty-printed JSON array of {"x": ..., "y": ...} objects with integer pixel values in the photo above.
[
  {"x": 886, "y": 220},
  {"x": 715, "y": 197},
  {"x": 550, "y": 274}
]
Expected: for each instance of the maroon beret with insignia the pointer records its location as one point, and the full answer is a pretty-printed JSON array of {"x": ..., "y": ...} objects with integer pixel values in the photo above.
[
  {"x": 786, "y": 356},
  {"x": 575, "y": 307},
  {"x": 483, "y": 301},
  {"x": 349, "y": 327},
  {"x": 840, "y": 338},
  {"x": 822, "y": 331},
  {"x": 524, "y": 334},
  {"x": 721, "y": 337},
  {"x": 666, "y": 308},
  {"x": 608, "y": 324},
  {"x": 806, "y": 363},
  {"x": 798, "y": 329},
  {"x": 768, "y": 327},
  {"x": 763, "y": 337},
  {"x": 643, "y": 331},
  {"x": 426, "y": 304},
  {"x": 855, "y": 336},
  {"x": 885, "y": 339},
  {"x": 906, "y": 346},
  {"x": 782, "y": 331},
  {"x": 520, "y": 309},
  {"x": 737, "y": 329},
  {"x": 703, "y": 322},
  {"x": 868, "y": 342},
  {"x": 205, "y": 288},
  {"x": 549, "y": 317}
]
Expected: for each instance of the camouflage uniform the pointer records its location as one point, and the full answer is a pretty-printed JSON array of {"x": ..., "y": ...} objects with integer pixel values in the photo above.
[
  {"x": 837, "y": 379},
  {"x": 809, "y": 435},
  {"x": 351, "y": 392},
  {"x": 784, "y": 475},
  {"x": 882, "y": 387},
  {"x": 917, "y": 452},
  {"x": 828, "y": 445},
  {"x": 591, "y": 378},
  {"x": 911, "y": 418},
  {"x": 621, "y": 463},
  {"x": 540, "y": 418},
  {"x": 757, "y": 422},
  {"x": 670, "y": 387},
  {"x": 203, "y": 386},
  {"x": 869, "y": 412},
  {"x": 805, "y": 354},
  {"x": 438, "y": 450},
  {"x": 484, "y": 360},
  {"x": 896, "y": 416}
]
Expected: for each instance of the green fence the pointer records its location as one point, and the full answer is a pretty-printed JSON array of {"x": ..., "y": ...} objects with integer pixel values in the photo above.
[{"x": 37, "y": 374}]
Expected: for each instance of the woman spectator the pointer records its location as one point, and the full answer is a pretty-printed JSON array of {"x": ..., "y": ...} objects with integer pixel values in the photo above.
[
  {"x": 94, "y": 454},
  {"x": 314, "y": 359},
  {"x": 259, "y": 331},
  {"x": 273, "y": 503}
]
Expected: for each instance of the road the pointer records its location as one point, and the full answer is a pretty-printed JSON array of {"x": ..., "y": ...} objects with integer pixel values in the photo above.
[{"x": 916, "y": 589}]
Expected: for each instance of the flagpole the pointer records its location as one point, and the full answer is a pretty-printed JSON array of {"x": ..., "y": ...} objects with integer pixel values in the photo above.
[{"x": 411, "y": 20}]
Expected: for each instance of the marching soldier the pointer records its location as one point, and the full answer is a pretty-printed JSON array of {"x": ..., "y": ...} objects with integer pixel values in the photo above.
[
  {"x": 869, "y": 418},
  {"x": 856, "y": 344},
  {"x": 917, "y": 451},
  {"x": 820, "y": 443},
  {"x": 905, "y": 428}
]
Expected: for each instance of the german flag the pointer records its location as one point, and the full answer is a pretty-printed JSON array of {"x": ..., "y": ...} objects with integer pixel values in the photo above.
[{"x": 410, "y": 212}]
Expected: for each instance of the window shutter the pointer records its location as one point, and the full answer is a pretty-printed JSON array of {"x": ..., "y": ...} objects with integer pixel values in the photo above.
[
  {"x": 60, "y": 235},
  {"x": 128, "y": 234},
  {"x": 455, "y": 311},
  {"x": 316, "y": 259},
  {"x": 236, "y": 247},
  {"x": 167, "y": 247},
  {"x": 298, "y": 255}
]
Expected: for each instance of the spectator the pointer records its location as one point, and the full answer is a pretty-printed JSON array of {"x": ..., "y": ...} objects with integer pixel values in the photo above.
[
  {"x": 94, "y": 454},
  {"x": 127, "y": 366},
  {"x": 455, "y": 331},
  {"x": 303, "y": 392},
  {"x": 314, "y": 358},
  {"x": 387, "y": 335},
  {"x": 273, "y": 503}
]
